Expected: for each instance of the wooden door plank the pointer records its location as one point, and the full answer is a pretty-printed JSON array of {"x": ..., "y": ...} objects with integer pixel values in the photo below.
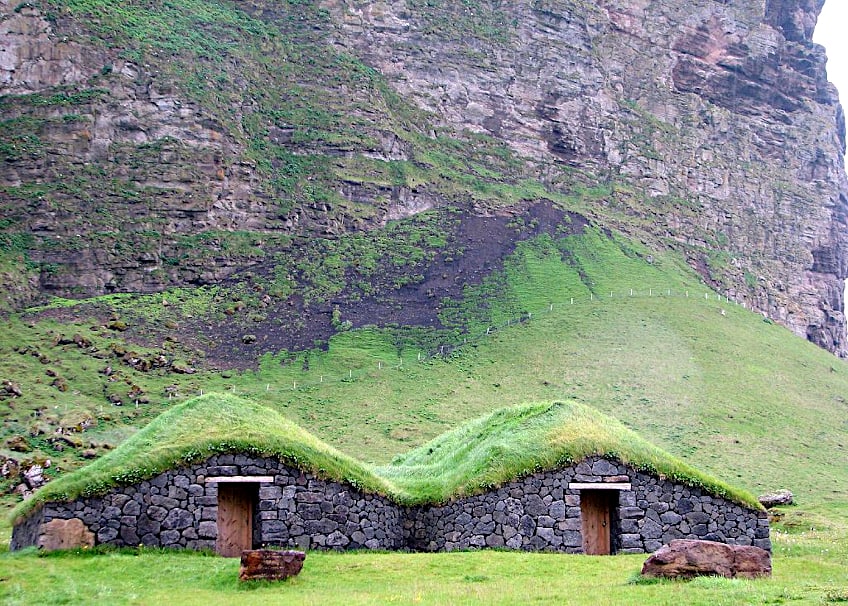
[
  {"x": 235, "y": 519},
  {"x": 595, "y": 511}
]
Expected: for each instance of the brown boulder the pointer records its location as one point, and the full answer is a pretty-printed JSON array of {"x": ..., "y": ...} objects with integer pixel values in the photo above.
[
  {"x": 18, "y": 444},
  {"x": 685, "y": 558},
  {"x": 270, "y": 565},
  {"x": 65, "y": 534}
]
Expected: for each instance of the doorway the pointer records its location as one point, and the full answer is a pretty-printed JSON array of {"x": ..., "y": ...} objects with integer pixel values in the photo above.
[
  {"x": 236, "y": 503},
  {"x": 597, "y": 509}
]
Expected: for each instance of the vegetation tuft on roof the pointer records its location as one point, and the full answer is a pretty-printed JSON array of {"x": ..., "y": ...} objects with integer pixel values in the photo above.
[
  {"x": 479, "y": 455},
  {"x": 517, "y": 441},
  {"x": 197, "y": 429}
]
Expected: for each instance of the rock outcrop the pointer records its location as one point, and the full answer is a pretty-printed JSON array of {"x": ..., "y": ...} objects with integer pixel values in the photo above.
[
  {"x": 712, "y": 122},
  {"x": 93, "y": 114},
  {"x": 718, "y": 113},
  {"x": 778, "y": 497}
]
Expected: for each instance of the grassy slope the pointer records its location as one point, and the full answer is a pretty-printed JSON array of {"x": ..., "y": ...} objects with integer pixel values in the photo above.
[{"x": 732, "y": 394}]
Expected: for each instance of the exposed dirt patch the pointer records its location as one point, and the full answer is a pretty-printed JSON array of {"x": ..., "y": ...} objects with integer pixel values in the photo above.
[{"x": 476, "y": 246}]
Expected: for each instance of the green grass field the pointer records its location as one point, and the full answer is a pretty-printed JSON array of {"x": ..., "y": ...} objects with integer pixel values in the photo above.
[{"x": 809, "y": 568}]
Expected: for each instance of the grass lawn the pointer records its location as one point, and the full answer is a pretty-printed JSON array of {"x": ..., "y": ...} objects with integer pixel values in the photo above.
[{"x": 809, "y": 568}]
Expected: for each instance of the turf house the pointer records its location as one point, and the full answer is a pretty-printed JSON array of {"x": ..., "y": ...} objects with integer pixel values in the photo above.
[{"x": 226, "y": 474}]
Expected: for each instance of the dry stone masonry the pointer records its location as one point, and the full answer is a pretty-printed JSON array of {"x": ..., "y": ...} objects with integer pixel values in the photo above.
[
  {"x": 188, "y": 508},
  {"x": 179, "y": 508}
]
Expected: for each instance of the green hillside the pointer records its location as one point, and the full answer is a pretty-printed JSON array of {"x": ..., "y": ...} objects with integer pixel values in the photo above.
[{"x": 701, "y": 377}]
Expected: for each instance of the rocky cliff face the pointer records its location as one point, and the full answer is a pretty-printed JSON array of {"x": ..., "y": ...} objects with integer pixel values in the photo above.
[
  {"x": 719, "y": 114},
  {"x": 710, "y": 125},
  {"x": 108, "y": 156}
]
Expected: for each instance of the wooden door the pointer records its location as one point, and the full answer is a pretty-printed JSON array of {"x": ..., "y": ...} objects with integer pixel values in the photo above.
[
  {"x": 596, "y": 511},
  {"x": 236, "y": 502}
]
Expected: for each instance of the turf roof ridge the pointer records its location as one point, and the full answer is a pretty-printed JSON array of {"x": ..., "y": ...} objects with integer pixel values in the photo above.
[{"x": 476, "y": 456}]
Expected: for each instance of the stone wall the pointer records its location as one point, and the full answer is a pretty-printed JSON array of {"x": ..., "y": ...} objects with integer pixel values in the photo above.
[
  {"x": 179, "y": 509},
  {"x": 657, "y": 511},
  {"x": 540, "y": 512},
  {"x": 535, "y": 513},
  {"x": 27, "y": 532},
  {"x": 308, "y": 513}
]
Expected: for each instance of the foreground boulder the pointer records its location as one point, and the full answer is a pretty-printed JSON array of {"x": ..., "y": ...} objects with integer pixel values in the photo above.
[
  {"x": 778, "y": 497},
  {"x": 65, "y": 534},
  {"x": 685, "y": 558},
  {"x": 270, "y": 565}
]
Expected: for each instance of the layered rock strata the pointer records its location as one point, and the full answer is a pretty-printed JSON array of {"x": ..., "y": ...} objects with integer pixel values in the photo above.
[
  {"x": 717, "y": 116},
  {"x": 710, "y": 124}
]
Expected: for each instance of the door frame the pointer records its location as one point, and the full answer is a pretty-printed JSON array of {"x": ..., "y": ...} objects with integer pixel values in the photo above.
[
  {"x": 601, "y": 498},
  {"x": 235, "y": 513},
  {"x": 597, "y": 510}
]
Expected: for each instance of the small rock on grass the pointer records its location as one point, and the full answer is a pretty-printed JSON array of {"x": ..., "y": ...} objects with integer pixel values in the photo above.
[
  {"x": 270, "y": 565},
  {"x": 778, "y": 497},
  {"x": 687, "y": 558}
]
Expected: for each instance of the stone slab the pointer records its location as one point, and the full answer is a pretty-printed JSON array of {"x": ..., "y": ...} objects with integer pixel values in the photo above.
[
  {"x": 599, "y": 486},
  {"x": 253, "y": 479},
  {"x": 65, "y": 534}
]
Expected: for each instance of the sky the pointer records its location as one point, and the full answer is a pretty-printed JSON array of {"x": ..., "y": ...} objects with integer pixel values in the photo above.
[
  {"x": 833, "y": 15},
  {"x": 831, "y": 33}
]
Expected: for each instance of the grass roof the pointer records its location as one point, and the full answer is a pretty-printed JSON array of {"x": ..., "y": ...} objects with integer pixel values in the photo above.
[
  {"x": 520, "y": 440},
  {"x": 481, "y": 454},
  {"x": 197, "y": 429}
]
